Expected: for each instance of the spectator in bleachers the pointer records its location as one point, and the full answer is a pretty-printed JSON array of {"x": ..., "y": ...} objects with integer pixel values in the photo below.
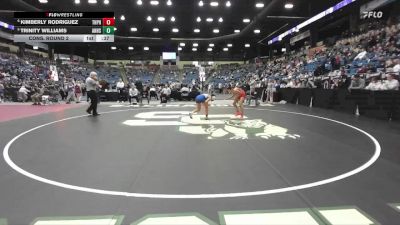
[
  {"x": 357, "y": 83},
  {"x": 391, "y": 83},
  {"x": 396, "y": 68},
  {"x": 374, "y": 85}
]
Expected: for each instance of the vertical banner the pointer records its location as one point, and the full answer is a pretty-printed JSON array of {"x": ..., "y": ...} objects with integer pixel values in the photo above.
[
  {"x": 202, "y": 73},
  {"x": 53, "y": 73}
]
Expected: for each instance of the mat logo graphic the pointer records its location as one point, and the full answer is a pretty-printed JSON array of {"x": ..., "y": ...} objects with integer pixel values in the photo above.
[{"x": 219, "y": 126}]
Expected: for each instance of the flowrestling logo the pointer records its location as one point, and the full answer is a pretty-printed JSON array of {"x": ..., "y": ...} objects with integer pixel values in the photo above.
[
  {"x": 372, "y": 14},
  {"x": 219, "y": 126}
]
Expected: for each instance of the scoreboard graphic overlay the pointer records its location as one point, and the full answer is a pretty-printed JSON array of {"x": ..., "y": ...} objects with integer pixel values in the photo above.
[{"x": 64, "y": 27}]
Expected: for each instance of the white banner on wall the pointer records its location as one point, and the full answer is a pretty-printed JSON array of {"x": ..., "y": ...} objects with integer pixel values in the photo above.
[{"x": 300, "y": 37}]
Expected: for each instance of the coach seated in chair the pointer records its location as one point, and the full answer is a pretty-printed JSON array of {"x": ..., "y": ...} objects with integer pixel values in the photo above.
[
  {"x": 133, "y": 94},
  {"x": 175, "y": 94},
  {"x": 253, "y": 95},
  {"x": 165, "y": 94},
  {"x": 153, "y": 92},
  {"x": 185, "y": 93},
  {"x": 145, "y": 95}
]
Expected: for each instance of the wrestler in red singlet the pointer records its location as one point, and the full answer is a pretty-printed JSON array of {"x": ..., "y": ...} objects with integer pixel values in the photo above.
[{"x": 239, "y": 96}]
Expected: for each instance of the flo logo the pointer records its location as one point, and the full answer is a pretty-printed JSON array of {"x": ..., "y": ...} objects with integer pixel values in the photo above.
[
  {"x": 372, "y": 14},
  {"x": 219, "y": 126}
]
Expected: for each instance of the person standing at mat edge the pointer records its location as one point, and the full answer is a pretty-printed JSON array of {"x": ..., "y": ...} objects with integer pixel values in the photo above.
[{"x": 91, "y": 86}]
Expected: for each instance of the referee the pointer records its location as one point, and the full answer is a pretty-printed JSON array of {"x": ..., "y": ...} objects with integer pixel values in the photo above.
[{"x": 91, "y": 85}]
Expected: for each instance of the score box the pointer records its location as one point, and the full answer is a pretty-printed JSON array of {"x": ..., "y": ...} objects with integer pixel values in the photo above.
[
  {"x": 108, "y": 21},
  {"x": 108, "y": 30}
]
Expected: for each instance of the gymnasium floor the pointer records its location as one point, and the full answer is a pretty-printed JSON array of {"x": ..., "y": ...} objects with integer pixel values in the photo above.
[{"x": 283, "y": 164}]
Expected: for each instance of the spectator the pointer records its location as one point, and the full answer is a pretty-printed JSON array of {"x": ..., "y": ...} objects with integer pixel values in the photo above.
[
  {"x": 185, "y": 89},
  {"x": 210, "y": 88},
  {"x": 23, "y": 93},
  {"x": 37, "y": 96},
  {"x": 78, "y": 92},
  {"x": 391, "y": 83},
  {"x": 165, "y": 92},
  {"x": 1, "y": 92},
  {"x": 396, "y": 68},
  {"x": 270, "y": 90},
  {"x": 133, "y": 94},
  {"x": 374, "y": 85},
  {"x": 357, "y": 83},
  {"x": 70, "y": 92},
  {"x": 153, "y": 92},
  {"x": 121, "y": 90}
]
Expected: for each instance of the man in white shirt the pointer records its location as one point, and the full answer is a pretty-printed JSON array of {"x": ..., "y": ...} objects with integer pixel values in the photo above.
[
  {"x": 23, "y": 93},
  {"x": 185, "y": 89},
  {"x": 185, "y": 93},
  {"x": 133, "y": 93},
  {"x": 120, "y": 88},
  {"x": 120, "y": 84},
  {"x": 153, "y": 92},
  {"x": 290, "y": 84},
  {"x": 91, "y": 85},
  {"x": 361, "y": 55},
  {"x": 165, "y": 93},
  {"x": 396, "y": 68},
  {"x": 168, "y": 91},
  {"x": 210, "y": 88},
  {"x": 374, "y": 85},
  {"x": 391, "y": 83},
  {"x": 220, "y": 87}
]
